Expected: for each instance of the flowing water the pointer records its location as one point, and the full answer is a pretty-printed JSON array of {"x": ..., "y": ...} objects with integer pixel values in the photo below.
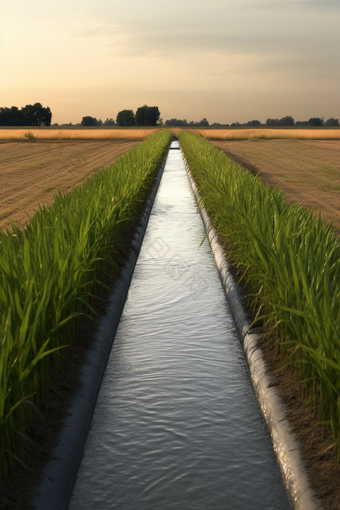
[{"x": 177, "y": 424}]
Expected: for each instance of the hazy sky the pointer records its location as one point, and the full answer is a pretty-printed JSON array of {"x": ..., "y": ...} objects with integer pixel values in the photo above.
[{"x": 227, "y": 61}]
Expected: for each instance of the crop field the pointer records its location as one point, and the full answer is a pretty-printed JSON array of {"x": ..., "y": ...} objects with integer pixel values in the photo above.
[
  {"x": 25, "y": 134},
  {"x": 32, "y": 173},
  {"x": 307, "y": 171},
  {"x": 263, "y": 133}
]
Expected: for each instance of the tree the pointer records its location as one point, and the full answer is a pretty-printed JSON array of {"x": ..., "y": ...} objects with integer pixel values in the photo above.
[
  {"x": 30, "y": 115},
  {"x": 272, "y": 122},
  {"x": 37, "y": 115},
  {"x": 315, "y": 121},
  {"x": 11, "y": 117},
  {"x": 203, "y": 122},
  {"x": 109, "y": 122},
  {"x": 88, "y": 121},
  {"x": 287, "y": 121},
  {"x": 332, "y": 122},
  {"x": 253, "y": 123},
  {"x": 176, "y": 122},
  {"x": 141, "y": 115},
  {"x": 126, "y": 118},
  {"x": 147, "y": 115}
]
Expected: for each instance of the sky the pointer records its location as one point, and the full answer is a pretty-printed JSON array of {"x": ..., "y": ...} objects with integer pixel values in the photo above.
[{"x": 227, "y": 60}]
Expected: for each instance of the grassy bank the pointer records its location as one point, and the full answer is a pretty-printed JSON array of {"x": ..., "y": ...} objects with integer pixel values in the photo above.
[
  {"x": 291, "y": 266},
  {"x": 48, "y": 273}
]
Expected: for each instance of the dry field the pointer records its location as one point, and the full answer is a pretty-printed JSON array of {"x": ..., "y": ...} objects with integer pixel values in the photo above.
[
  {"x": 249, "y": 134},
  {"x": 32, "y": 173},
  {"x": 307, "y": 171},
  {"x": 24, "y": 134}
]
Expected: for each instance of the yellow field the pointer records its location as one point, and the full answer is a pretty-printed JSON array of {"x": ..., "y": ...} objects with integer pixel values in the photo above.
[
  {"x": 23, "y": 134},
  {"x": 249, "y": 134}
]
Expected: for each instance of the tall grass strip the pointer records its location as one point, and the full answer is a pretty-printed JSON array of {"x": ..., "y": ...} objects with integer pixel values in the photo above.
[
  {"x": 48, "y": 273},
  {"x": 290, "y": 264}
]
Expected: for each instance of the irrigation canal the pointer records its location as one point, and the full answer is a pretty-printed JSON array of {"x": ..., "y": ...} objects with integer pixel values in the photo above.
[{"x": 177, "y": 424}]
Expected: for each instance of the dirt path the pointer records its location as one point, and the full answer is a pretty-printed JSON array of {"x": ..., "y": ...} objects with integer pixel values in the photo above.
[
  {"x": 307, "y": 171},
  {"x": 32, "y": 173}
]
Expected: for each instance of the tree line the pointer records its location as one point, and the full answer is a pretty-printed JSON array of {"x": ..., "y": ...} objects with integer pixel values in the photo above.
[
  {"x": 144, "y": 116},
  {"x": 37, "y": 115},
  {"x": 29, "y": 115},
  {"x": 285, "y": 121},
  {"x": 184, "y": 122},
  {"x": 313, "y": 121}
]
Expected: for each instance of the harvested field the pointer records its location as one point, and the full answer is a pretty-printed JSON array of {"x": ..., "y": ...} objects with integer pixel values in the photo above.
[
  {"x": 25, "y": 134},
  {"x": 270, "y": 134},
  {"x": 307, "y": 171},
  {"x": 33, "y": 173}
]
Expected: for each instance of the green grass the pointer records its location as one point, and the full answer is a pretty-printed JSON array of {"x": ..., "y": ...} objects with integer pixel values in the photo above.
[
  {"x": 49, "y": 271},
  {"x": 290, "y": 264}
]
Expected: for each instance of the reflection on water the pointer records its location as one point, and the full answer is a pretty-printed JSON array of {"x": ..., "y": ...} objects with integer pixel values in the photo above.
[{"x": 177, "y": 425}]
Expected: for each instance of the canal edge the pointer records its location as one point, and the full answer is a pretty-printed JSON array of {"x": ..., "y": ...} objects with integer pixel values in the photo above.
[
  {"x": 285, "y": 443},
  {"x": 59, "y": 476}
]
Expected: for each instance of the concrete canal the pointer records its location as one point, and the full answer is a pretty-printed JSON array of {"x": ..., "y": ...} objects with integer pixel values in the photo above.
[{"x": 177, "y": 424}]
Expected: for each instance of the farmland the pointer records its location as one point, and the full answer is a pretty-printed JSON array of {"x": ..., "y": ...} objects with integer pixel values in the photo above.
[
  {"x": 307, "y": 171},
  {"x": 51, "y": 133},
  {"x": 32, "y": 173}
]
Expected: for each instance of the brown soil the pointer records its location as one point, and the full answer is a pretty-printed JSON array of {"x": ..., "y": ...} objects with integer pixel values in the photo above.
[
  {"x": 307, "y": 171},
  {"x": 32, "y": 173}
]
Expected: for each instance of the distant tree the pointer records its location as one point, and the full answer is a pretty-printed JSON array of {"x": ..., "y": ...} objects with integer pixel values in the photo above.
[
  {"x": 126, "y": 118},
  {"x": 99, "y": 122},
  {"x": 301, "y": 123},
  {"x": 315, "y": 121},
  {"x": 141, "y": 115},
  {"x": 287, "y": 121},
  {"x": 176, "y": 122},
  {"x": 203, "y": 122},
  {"x": 55, "y": 124},
  {"x": 29, "y": 115},
  {"x": 147, "y": 115},
  {"x": 332, "y": 122},
  {"x": 216, "y": 124},
  {"x": 88, "y": 121},
  {"x": 11, "y": 117},
  {"x": 253, "y": 123},
  {"x": 235, "y": 124},
  {"x": 37, "y": 115},
  {"x": 152, "y": 116},
  {"x": 272, "y": 122},
  {"x": 109, "y": 122}
]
